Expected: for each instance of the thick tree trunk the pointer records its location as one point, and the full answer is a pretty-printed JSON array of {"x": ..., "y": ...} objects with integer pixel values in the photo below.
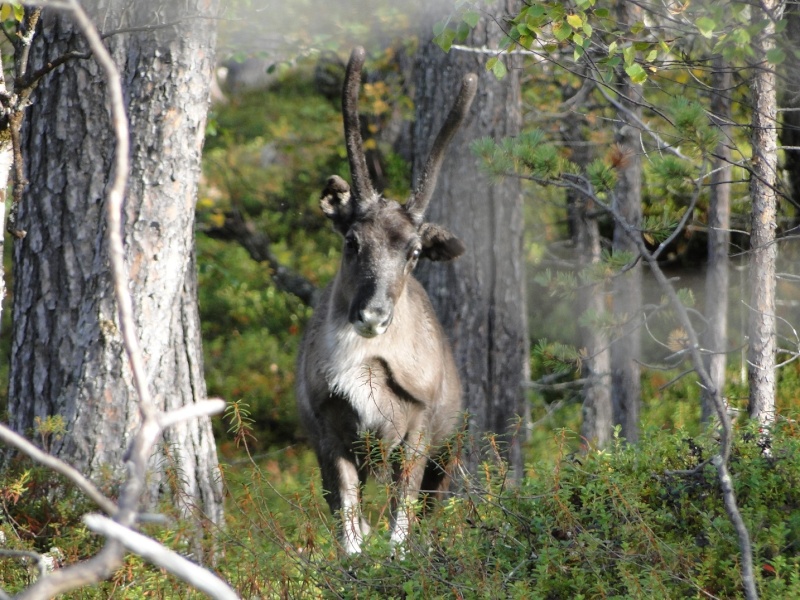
[
  {"x": 763, "y": 249},
  {"x": 67, "y": 354},
  {"x": 719, "y": 213},
  {"x": 479, "y": 297}
]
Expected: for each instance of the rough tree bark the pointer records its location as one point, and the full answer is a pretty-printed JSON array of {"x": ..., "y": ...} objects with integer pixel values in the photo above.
[
  {"x": 719, "y": 213},
  {"x": 67, "y": 354},
  {"x": 480, "y": 297},
  {"x": 763, "y": 248},
  {"x": 626, "y": 387}
]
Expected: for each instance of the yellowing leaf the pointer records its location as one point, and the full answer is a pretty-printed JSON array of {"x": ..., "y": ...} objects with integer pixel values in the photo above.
[
  {"x": 575, "y": 21},
  {"x": 636, "y": 73},
  {"x": 678, "y": 340}
]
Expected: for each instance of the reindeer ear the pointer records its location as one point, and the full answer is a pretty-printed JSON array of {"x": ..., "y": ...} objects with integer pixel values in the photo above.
[
  {"x": 439, "y": 244},
  {"x": 337, "y": 203}
]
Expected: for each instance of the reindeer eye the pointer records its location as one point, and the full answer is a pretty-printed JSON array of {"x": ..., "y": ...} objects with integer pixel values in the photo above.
[
  {"x": 414, "y": 253},
  {"x": 351, "y": 244}
]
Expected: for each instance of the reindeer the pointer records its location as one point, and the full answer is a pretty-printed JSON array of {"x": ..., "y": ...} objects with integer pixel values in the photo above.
[{"x": 374, "y": 357}]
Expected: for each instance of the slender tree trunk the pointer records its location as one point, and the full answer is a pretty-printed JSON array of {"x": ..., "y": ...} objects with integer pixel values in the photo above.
[
  {"x": 480, "y": 297},
  {"x": 597, "y": 422},
  {"x": 67, "y": 354},
  {"x": 6, "y": 163},
  {"x": 763, "y": 249},
  {"x": 626, "y": 388},
  {"x": 790, "y": 98},
  {"x": 719, "y": 213}
]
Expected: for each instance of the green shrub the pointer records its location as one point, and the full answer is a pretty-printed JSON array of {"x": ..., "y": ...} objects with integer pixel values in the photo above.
[{"x": 611, "y": 524}]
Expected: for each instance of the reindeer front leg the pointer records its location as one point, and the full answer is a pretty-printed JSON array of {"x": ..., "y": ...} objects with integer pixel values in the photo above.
[
  {"x": 342, "y": 485},
  {"x": 408, "y": 478}
]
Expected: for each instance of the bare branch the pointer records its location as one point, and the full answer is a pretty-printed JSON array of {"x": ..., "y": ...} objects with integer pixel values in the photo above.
[
  {"x": 258, "y": 246},
  {"x": 151, "y": 550},
  {"x": 205, "y": 408},
  {"x": 51, "y": 462},
  {"x": 109, "y": 558},
  {"x": 115, "y": 196},
  {"x": 729, "y": 498}
]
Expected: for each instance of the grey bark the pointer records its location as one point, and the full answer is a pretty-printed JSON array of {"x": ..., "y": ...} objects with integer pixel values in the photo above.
[
  {"x": 790, "y": 98},
  {"x": 597, "y": 424},
  {"x": 479, "y": 298},
  {"x": 719, "y": 213},
  {"x": 763, "y": 249},
  {"x": 67, "y": 354}
]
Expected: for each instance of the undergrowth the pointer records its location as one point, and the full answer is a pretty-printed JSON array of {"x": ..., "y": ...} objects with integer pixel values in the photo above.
[{"x": 606, "y": 524}]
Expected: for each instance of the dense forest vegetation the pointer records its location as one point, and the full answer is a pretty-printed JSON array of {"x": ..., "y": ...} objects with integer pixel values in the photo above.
[{"x": 592, "y": 516}]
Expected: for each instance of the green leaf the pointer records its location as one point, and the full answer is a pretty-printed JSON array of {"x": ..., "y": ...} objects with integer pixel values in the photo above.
[
  {"x": 19, "y": 11},
  {"x": 462, "y": 32},
  {"x": 612, "y": 48},
  {"x": 629, "y": 54},
  {"x": 499, "y": 69},
  {"x": 535, "y": 11},
  {"x": 445, "y": 39},
  {"x": 561, "y": 31},
  {"x": 705, "y": 26},
  {"x": 471, "y": 18},
  {"x": 636, "y": 73},
  {"x": 602, "y": 13},
  {"x": 776, "y": 56},
  {"x": 5, "y": 12},
  {"x": 637, "y": 28},
  {"x": 587, "y": 29}
]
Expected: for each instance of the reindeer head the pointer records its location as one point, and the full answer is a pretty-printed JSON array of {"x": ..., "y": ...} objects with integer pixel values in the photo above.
[{"x": 383, "y": 240}]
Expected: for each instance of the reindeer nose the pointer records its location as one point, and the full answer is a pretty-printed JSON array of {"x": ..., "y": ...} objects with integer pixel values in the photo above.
[{"x": 373, "y": 321}]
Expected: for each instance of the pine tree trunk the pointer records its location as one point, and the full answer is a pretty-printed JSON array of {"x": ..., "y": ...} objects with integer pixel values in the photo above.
[
  {"x": 719, "y": 212},
  {"x": 790, "y": 98},
  {"x": 480, "y": 297},
  {"x": 626, "y": 385},
  {"x": 763, "y": 249},
  {"x": 626, "y": 388},
  {"x": 67, "y": 354},
  {"x": 597, "y": 424}
]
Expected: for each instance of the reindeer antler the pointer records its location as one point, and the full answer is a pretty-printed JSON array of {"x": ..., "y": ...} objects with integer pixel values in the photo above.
[
  {"x": 352, "y": 130},
  {"x": 418, "y": 202}
]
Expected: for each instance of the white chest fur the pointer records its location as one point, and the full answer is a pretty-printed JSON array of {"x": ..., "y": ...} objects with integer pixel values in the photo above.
[{"x": 351, "y": 371}]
